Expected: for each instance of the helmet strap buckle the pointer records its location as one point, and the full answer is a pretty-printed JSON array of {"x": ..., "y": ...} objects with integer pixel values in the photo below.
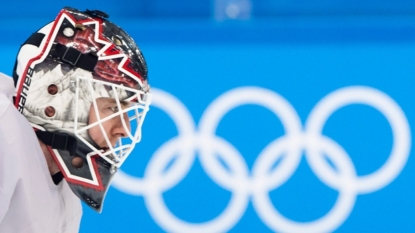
[{"x": 71, "y": 56}]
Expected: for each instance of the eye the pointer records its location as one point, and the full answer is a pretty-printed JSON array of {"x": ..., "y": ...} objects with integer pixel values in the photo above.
[{"x": 114, "y": 109}]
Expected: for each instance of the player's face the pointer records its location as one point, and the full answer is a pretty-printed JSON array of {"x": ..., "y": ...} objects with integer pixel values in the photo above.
[{"x": 113, "y": 127}]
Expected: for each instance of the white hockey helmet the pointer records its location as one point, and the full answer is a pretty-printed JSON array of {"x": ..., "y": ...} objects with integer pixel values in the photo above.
[{"x": 82, "y": 83}]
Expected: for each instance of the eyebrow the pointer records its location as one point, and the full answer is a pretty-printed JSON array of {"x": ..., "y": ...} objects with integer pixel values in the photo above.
[{"x": 122, "y": 102}]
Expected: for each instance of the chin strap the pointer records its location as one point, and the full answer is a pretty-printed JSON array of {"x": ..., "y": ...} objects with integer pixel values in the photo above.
[
  {"x": 60, "y": 141},
  {"x": 57, "y": 178}
]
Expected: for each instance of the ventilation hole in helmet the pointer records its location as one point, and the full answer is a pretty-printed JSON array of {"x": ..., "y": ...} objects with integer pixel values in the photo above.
[
  {"x": 68, "y": 32},
  {"x": 50, "y": 111},
  {"x": 77, "y": 162},
  {"x": 52, "y": 89}
]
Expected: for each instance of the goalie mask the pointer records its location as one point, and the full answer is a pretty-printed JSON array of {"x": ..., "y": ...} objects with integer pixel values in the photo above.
[{"x": 81, "y": 81}]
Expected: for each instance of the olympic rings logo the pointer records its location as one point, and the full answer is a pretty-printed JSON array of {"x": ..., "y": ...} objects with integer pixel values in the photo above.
[{"x": 257, "y": 184}]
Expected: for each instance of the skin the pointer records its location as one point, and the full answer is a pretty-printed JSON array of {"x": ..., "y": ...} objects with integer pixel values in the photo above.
[{"x": 113, "y": 128}]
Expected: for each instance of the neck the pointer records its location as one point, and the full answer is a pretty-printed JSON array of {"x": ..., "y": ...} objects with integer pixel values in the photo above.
[{"x": 52, "y": 165}]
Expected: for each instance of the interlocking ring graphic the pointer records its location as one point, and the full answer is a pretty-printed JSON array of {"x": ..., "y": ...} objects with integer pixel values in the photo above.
[{"x": 257, "y": 184}]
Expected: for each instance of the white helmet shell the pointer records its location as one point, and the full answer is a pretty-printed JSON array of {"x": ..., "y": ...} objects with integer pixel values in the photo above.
[{"x": 75, "y": 79}]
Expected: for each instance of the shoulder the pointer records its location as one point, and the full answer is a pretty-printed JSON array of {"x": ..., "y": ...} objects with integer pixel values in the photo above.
[
  {"x": 6, "y": 93},
  {"x": 6, "y": 85},
  {"x": 14, "y": 127},
  {"x": 72, "y": 209}
]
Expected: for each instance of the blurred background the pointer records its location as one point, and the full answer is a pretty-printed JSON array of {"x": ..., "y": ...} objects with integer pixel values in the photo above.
[{"x": 240, "y": 78}]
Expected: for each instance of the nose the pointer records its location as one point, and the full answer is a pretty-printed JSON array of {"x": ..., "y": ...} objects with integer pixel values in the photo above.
[{"x": 118, "y": 130}]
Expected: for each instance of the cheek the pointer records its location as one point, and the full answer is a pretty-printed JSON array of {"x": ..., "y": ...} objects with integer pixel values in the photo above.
[
  {"x": 97, "y": 135},
  {"x": 127, "y": 121},
  {"x": 91, "y": 116},
  {"x": 93, "y": 132}
]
